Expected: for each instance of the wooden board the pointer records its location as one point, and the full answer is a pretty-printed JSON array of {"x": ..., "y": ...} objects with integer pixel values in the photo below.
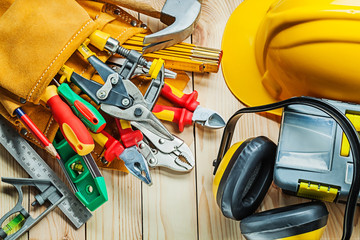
[
  {"x": 170, "y": 204},
  {"x": 176, "y": 206}
]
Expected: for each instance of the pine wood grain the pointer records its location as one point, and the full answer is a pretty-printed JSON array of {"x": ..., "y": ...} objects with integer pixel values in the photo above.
[
  {"x": 176, "y": 206},
  {"x": 214, "y": 93},
  {"x": 170, "y": 203},
  {"x": 120, "y": 217}
]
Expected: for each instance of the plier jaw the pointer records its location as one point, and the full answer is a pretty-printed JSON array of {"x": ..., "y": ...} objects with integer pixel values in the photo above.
[
  {"x": 138, "y": 168},
  {"x": 173, "y": 154},
  {"x": 133, "y": 159}
]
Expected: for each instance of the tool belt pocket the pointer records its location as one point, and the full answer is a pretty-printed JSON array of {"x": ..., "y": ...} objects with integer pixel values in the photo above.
[{"x": 38, "y": 38}]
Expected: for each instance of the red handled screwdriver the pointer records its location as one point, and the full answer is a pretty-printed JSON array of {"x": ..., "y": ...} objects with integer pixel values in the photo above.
[{"x": 74, "y": 131}]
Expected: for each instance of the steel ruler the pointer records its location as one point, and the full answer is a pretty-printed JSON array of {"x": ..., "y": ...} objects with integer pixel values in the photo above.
[{"x": 36, "y": 167}]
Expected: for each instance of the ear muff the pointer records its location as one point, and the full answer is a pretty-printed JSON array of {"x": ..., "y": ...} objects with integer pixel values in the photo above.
[
  {"x": 319, "y": 104},
  {"x": 246, "y": 178},
  {"x": 301, "y": 221}
]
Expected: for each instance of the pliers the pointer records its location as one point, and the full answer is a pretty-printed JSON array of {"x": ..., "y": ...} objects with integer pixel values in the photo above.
[
  {"x": 171, "y": 153},
  {"x": 133, "y": 159},
  {"x": 136, "y": 108},
  {"x": 119, "y": 97},
  {"x": 190, "y": 112},
  {"x": 155, "y": 157}
]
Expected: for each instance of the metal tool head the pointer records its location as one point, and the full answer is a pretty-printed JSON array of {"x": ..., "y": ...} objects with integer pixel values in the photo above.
[
  {"x": 139, "y": 112},
  {"x": 184, "y": 157},
  {"x": 208, "y": 118},
  {"x": 156, "y": 158},
  {"x": 181, "y": 16},
  {"x": 180, "y": 160},
  {"x": 169, "y": 151},
  {"x": 136, "y": 164}
]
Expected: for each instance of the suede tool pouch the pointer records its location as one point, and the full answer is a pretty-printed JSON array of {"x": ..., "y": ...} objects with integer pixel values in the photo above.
[{"x": 36, "y": 39}]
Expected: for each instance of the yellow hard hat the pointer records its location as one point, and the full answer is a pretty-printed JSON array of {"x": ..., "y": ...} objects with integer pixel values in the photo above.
[{"x": 276, "y": 50}]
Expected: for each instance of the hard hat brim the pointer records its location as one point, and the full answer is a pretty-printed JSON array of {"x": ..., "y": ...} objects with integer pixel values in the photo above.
[{"x": 239, "y": 66}]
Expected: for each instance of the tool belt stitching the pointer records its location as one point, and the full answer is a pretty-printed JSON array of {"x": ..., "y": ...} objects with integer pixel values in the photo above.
[
  {"x": 122, "y": 33},
  {"x": 48, "y": 126},
  {"x": 39, "y": 81}
]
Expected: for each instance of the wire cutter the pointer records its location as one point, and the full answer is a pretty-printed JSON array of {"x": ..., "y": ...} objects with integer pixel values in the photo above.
[{"x": 190, "y": 112}]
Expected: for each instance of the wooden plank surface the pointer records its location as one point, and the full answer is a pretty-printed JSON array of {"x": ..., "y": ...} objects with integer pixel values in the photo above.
[
  {"x": 170, "y": 204},
  {"x": 176, "y": 206}
]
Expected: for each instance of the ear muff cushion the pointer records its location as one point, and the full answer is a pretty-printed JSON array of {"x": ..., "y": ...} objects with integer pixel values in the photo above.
[
  {"x": 247, "y": 178},
  {"x": 285, "y": 222}
]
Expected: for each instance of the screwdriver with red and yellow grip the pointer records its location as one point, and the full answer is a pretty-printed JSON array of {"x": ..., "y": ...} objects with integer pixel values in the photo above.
[
  {"x": 74, "y": 131},
  {"x": 189, "y": 112}
]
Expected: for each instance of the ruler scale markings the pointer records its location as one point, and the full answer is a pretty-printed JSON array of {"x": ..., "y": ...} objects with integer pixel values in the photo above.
[{"x": 35, "y": 166}]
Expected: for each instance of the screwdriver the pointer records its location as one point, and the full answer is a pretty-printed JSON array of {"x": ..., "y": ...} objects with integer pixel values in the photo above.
[
  {"x": 74, "y": 131},
  {"x": 87, "y": 113}
]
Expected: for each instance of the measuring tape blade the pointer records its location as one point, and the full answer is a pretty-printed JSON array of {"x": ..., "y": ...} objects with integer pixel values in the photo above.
[{"x": 36, "y": 167}]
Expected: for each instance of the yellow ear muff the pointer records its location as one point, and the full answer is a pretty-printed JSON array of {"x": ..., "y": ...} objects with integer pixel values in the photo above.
[
  {"x": 305, "y": 221},
  {"x": 223, "y": 165},
  {"x": 244, "y": 177}
]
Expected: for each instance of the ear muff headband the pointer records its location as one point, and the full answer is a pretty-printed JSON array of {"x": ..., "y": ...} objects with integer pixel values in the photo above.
[{"x": 334, "y": 113}]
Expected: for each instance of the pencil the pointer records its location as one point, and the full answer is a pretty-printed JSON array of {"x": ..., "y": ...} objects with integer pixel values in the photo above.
[{"x": 30, "y": 125}]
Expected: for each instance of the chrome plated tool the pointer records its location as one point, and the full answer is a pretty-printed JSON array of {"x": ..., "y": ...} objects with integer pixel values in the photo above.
[
  {"x": 110, "y": 96},
  {"x": 154, "y": 157},
  {"x": 171, "y": 153},
  {"x": 23, "y": 221},
  {"x": 36, "y": 167}
]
